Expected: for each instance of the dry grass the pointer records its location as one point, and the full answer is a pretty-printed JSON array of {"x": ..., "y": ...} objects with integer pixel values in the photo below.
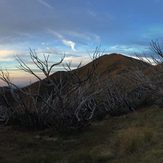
[{"x": 136, "y": 137}]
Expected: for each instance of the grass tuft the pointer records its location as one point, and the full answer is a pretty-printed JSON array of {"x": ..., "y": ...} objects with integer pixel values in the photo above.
[{"x": 134, "y": 139}]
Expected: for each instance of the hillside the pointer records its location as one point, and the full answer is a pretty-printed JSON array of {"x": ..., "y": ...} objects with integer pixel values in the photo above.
[
  {"x": 125, "y": 73},
  {"x": 128, "y": 81},
  {"x": 113, "y": 64},
  {"x": 106, "y": 67},
  {"x": 126, "y": 125}
]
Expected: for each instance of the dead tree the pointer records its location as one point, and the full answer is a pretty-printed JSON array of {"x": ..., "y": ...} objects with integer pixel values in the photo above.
[
  {"x": 149, "y": 87},
  {"x": 155, "y": 47},
  {"x": 63, "y": 107},
  {"x": 42, "y": 65}
]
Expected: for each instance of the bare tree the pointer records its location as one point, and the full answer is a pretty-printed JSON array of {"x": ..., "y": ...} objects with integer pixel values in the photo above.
[
  {"x": 68, "y": 104},
  {"x": 155, "y": 47},
  {"x": 150, "y": 79},
  {"x": 42, "y": 65}
]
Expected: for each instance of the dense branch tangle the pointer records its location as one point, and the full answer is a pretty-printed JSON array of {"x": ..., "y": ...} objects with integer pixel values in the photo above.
[
  {"x": 155, "y": 47},
  {"x": 58, "y": 108}
]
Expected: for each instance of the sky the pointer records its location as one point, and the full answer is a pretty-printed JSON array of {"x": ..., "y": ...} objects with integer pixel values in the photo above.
[{"x": 75, "y": 28}]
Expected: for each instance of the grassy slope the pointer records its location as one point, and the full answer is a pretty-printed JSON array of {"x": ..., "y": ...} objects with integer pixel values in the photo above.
[{"x": 136, "y": 137}]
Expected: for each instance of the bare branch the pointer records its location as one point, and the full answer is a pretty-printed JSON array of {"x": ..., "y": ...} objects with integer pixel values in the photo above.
[{"x": 42, "y": 65}]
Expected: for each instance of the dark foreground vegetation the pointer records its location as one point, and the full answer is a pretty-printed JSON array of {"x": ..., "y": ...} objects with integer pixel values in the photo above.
[
  {"x": 135, "y": 137},
  {"x": 106, "y": 111}
]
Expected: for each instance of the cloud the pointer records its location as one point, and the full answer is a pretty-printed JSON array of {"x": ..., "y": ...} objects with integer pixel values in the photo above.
[
  {"x": 76, "y": 60},
  {"x": 65, "y": 41},
  {"x": 44, "y": 3},
  {"x": 70, "y": 44},
  {"x": 19, "y": 25},
  {"x": 145, "y": 59},
  {"x": 7, "y": 55},
  {"x": 85, "y": 36},
  {"x": 127, "y": 49}
]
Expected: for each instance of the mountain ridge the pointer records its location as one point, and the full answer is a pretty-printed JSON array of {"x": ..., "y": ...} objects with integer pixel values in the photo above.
[{"x": 107, "y": 64}]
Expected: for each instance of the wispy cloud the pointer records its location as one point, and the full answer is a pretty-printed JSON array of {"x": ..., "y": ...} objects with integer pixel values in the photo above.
[
  {"x": 7, "y": 55},
  {"x": 44, "y": 3},
  {"x": 145, "y": 59},
  {"x": 76, "y": 60},
  {"x": 65, "y": 41},
  {"x": 70, "y": 44},
  {"x": 128, "y": 49},
  {"x": 86, "y": 36}
]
